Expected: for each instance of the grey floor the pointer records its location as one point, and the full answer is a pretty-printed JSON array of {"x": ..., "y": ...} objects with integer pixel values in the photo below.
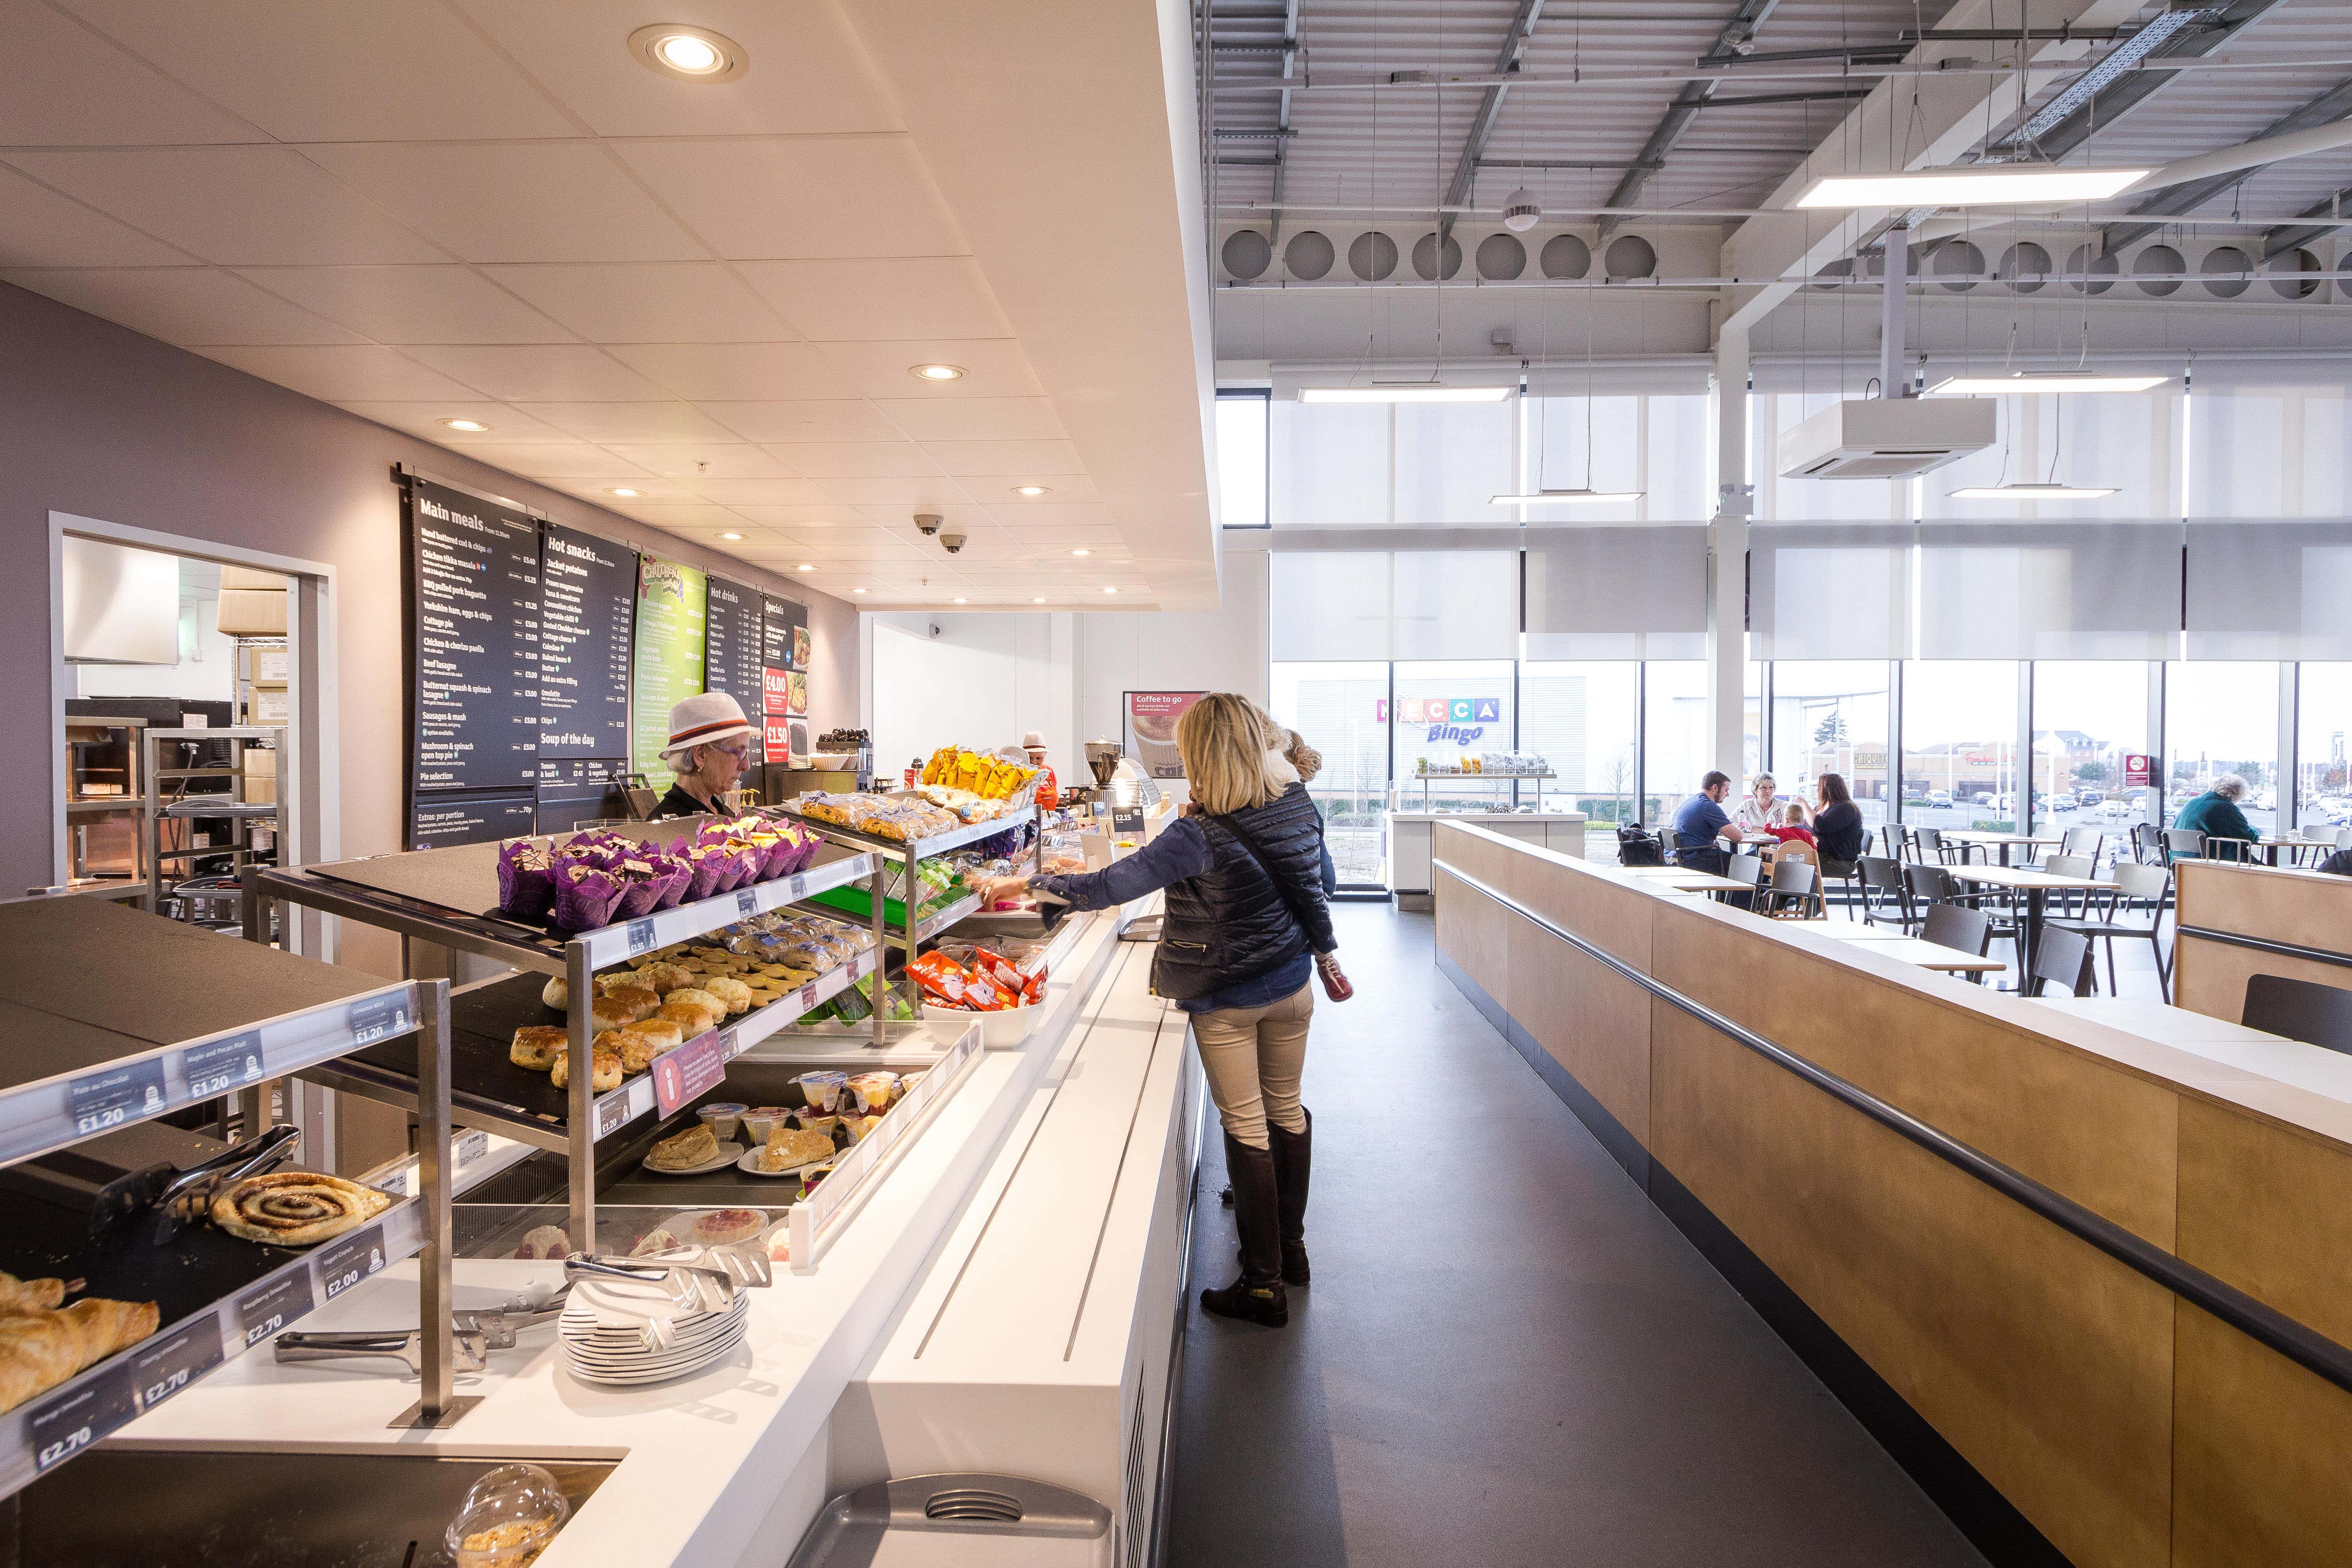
[{"x": 1509, "y": 1356}]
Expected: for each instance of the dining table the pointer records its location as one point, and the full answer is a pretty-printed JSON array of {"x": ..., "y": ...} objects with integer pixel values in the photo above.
[
  {"x": 1927, "y": 954},
  {"x": 2001, "y": 842},
  {"x": 2270, "y": 848},
  {"x": 2037, "y": 887}
]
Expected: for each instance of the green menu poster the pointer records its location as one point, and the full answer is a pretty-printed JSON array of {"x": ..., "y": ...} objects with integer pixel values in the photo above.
[{"x": 672, "y": 606}]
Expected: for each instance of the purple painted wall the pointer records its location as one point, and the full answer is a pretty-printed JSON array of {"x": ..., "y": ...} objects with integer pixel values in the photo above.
[{"x": 96, "y": 420}]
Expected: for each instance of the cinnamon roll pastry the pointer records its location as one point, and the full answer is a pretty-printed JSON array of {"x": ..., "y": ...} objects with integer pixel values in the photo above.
[{"x": 295, "y": 1208}]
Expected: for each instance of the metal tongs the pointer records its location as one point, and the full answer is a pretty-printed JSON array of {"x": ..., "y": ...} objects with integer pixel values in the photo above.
[
  {"x": 478, "y": 1331},
  {"x": 700, "y": 1278},
  {"x": 175, "y": 1193}
]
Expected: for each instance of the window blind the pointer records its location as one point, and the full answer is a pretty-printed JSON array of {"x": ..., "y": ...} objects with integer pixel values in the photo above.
[
  {"x": 1830, "y": 590},
  {"x": 1392, "y": 605},
  {"x": 2269, "y": 589},
  {"x": 2086, "y": 590},
  {"x": 1617, "y": 593}
]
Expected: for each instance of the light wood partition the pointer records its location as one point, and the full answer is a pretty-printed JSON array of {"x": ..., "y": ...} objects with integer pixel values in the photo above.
[
  {"x": 2306, "y": 911},
  {"x": 2055, "y": 1399}
]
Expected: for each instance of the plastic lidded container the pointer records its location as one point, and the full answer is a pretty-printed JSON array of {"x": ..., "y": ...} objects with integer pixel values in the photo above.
[
  {"x": 823, "y": 1089},
  {"x": 722, "y": 1117},
  {"x": 510, "y": 1516}
]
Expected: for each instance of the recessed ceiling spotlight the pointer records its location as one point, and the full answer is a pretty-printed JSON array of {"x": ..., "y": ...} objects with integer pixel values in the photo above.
[
  {"x": 935, "y": 371},
  {"x": 857, "y": 590},
  {"x": 471, "y": 426},
  {"x": 1031, "y": 490},
  {"x": 624, "y": 491},
  {"x": 963, "y": 601},
  {"x": 731, "y": 536},
  {"x": 1082, "y": 552},
  {"x": 1037, "y": 601},
  {"x": 1110, "y": 590},
  {"x": 806, "y": 566},
  {"x": 690, "y": 54}
]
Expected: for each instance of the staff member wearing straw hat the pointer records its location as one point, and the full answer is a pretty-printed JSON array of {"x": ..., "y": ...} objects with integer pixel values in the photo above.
[{"x": 709, "y": 747}]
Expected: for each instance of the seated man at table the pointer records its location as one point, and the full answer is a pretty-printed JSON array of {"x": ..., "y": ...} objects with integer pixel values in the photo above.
[
  {"x": 2338, "y": 864},
  {"x": 1700, "y": 821},
  {"x": 2215, "y": 814}
]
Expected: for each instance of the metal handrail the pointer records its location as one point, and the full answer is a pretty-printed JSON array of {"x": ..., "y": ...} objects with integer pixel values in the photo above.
[
  {"x": 2304, "y": 1346},
  {"x": 2260, "y": 944}
]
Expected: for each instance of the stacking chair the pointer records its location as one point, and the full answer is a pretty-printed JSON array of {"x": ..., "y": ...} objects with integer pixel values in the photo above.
[
  {"x": 2069, "y": 866},
  {"x": 2182, "y": 843},
  {"x": 1840, "y": 871},
  {"x": 1933, "y": 848},
  {"x": 1892, "y": 841},
  {"x": 2300, "y": 1010},
  {"x": 1795, "y": 891},
  {"x": 2147, "y": 843},
  {"x": 1885, "y": 897},
  {"x": 1969, "y": 931},
  {"x": 2139, "y": 891},
  {"x": 2063, "y": 959},
  {"x": 1748, "y": 868},
  {"x": 2085, "y": 842}
]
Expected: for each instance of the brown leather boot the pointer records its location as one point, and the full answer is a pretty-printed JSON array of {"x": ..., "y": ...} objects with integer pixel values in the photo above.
[{"x": 1257, "y": 1297}]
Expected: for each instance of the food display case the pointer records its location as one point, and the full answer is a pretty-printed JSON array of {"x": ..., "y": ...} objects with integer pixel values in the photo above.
[
  {"x": 159, "y": 1017},
  {"x": 103, "y": 789}
]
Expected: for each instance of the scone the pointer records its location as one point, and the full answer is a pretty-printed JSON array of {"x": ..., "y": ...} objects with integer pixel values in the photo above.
[
  {"x": 537, "y": 1044},
  {"x": 623, "y": 1005},
  {"x": 556, "y": 995},
  {"x": 789, "y": 1148},
  {"x": 695, "y": 1146},
  {"x": 693, "y": 1018},
  {"x": 662, "y": 978},
  {"x": 604, "y": 1070},
  {"x": 728, "y": 990},
  {"x": 640, "y": 1043}
]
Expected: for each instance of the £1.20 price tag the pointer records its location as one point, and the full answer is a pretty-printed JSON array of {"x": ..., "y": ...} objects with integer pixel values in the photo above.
[
  {"x": 101, "y": 1101},
  {"x": 219, "y": 1066}
]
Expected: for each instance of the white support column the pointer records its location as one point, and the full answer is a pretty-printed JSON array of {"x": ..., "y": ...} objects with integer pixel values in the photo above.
[{"x": 1726, "y": 569}]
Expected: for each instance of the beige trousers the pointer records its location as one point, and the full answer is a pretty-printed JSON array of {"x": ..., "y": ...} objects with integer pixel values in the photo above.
[{"x": 1253, "y": 1057}]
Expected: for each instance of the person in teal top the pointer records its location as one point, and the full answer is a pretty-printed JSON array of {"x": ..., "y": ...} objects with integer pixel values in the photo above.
[{"x": 2215, "y": 813}]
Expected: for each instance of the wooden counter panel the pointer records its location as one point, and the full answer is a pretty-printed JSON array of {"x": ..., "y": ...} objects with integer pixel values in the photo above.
[
  {"x": 2308, "y": 908},
  {"x": 1474, "y": 930},
  {"x": 2103, "y": 1136},
  {"x": 2210, "y": 977},
  {"x": 1594, "y": 1023},
  {"x": 2263, "y": 1452},
  {"x": 2234, "y": 1165},
  {"x": 2046, "y": 1365},
  {"x": 1603, "y": 910},
  {"x": 1479, "y": 856}
]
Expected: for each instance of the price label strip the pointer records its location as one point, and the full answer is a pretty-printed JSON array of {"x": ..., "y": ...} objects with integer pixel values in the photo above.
[
  {"x": 374, "y": 1019},
  {"x": 262, "y": 1312},
  {"x": 222, "y": 1065},
  {"x": 345, "y": 1263},
  {"x": 161, "y": 1370},
  {"x": 622, "y": 1107},
  {"x": 68, "y": 1421},
  {"x": 747, "y": 901},
  {"x": 117, "y": 1096},
  {"x": 641, "y": 937}
]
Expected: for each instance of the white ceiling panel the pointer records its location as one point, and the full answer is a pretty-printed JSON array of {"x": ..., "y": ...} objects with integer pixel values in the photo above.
[
  {"x": 231, "y": 205},
  {"x": 774, "y": 497},
  {"x": 717, "y": 371},
  {"x": 643, "y": 423},
  {"x": 860, "y": 459},
  {"x": 806, "y": 73},
  {"x": 928, "y": 494},
  {"x": 351, "y": 373},
  {"x": 853, "y": 536},
  {"x": 184, "y": 305},
  {"x": 1013, "y": 460},
  {"x": 803, "y": 419},
  {"x": 819, "y": 195},
  {"x": 974, "y": 418},
  {"x": 917, "y": 297},
  {"x": 514, "y": 201},
  {"x": 411, "y": 304},
  {"x": 507, "y": 424},
  {"x": 539, "y": 374},
  {"x": 395, "y": 69},
  {"x": 697, "y": 520},
  {"x": 559, "y": 460},
  {"x": 686, "y": 302},
  {"x": 39, "y": 227},
  {"x": 992, "y": 367},
  {"x": 62, "y": 85},
  {"x": 1061, "y": 489},
  {"x": 706, "y": 461}
]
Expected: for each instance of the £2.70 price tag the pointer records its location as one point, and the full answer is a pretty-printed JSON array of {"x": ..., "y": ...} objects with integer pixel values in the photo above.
[
  {"x": 262, "y": 1311},
  {"x": 67, "y": 1423},
  {"x": 106, "y": 1100},
  {"x": 161, "y": 1370}
]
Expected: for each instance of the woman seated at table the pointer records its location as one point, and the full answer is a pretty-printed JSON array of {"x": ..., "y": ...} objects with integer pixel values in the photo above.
[
  {"x": 1837, "y": 821},
  {"x": 1761, "y": 810},
  {"x": 2215, "y": 814},
  {"x": 1791, "y": 826}
]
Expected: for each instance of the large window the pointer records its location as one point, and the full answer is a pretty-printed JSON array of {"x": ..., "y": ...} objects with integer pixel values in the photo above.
[
  {"x": 1579, "y": 717},
  {"x": 1959, "y": 743},
  {"x": 1342, "y": 712},
  {"x": 2323, "y": 733},
  {"x": 2090, "y": 720},
  {"x": 1447, "y": 709},
  {"x": 1674, "y": 734},
  {"x": 1830, "y": 716},
  {"x": 2221, "y": 716}
]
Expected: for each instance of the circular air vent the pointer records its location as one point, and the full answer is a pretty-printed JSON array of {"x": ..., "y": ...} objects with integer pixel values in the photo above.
[
  {"x": 2024, "y": 266},
  {"x": 1565, "y": 256},
  {"x": 1309, "y": 254},
  {"x": 1424, "y": 256},
  {"x": 1501, "y": 257},
  {"x": 1961, "y": 262},
  {"x": 1247, "y": 253},
  {"x": 2229, "y": 271},
  {"x": 1832, "y": 274},
  {"x": 1374, "y": 256},
  {"x": 2087, "y": 272},
  {"x": 1630, "y": 256},
  {"x": 2290, "y": 287},
  {"x": 973, "y": 1506},
  {"x": 2154, "y": 262}
]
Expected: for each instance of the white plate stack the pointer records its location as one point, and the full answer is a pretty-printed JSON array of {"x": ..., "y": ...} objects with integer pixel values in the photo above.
[{"x": 616, "y": 1332}]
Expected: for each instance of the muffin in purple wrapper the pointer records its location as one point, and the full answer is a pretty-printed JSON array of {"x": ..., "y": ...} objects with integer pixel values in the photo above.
[
  {"x": 773, "y": 850},
  {"x": 585, "y": 897},
  {"x": 641, "y": 884},
  {"x": 526, "y": 880},
  {"x": 807, "y": 844},
  {"x": 678, "y": 875},
  {"x": 744, "y": 860},
  {"x": 704, "y": 864}
]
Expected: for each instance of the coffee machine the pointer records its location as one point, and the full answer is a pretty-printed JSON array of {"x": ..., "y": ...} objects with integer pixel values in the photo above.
[{"x": 1120, "y": 779}]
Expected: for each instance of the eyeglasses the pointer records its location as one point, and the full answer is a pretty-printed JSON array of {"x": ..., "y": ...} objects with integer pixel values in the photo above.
[{"x": 741, "y": 750}]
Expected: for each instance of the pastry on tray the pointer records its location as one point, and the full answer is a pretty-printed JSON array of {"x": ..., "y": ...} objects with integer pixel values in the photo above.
[
  {"x": 41, "y": 1348},
  {"x": 661, "y": 1238},
  {"x": 29, "y": 1295},
  {"x": 536, "y": 1045},
  {"x": 605, "y": 1070},
  {"x": 718, "y": 1227},
  {"x": 556, "y": 995},
  {"x": 296, "y": 1208},
  {"x": 640, "y": 1043},
  {"x": 789, "y": 1148},
  {"x": 543, "y": 1242},
  {"x": 663, "y": 978},
  {"x": 695, "y": 1017},
  {"x": 695, "y": 1146},
  {"x": 626, "y": 1005},
  {"x": 728, "y": 990}
]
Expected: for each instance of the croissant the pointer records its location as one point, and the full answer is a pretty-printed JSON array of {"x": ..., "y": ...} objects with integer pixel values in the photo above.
[
  {"x": 29, "y": 1295},
  {"x": 40, "y": 1350}
]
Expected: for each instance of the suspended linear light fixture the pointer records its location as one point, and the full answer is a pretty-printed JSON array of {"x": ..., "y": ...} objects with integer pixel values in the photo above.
[
  {"x": 1579, "y": 495},
  {"x": 1974, "y": 184},
  {"x": 2023, "y": 491},
  {"x": 2041, "y": 381},
  {"x": 1403, "y": 392}
]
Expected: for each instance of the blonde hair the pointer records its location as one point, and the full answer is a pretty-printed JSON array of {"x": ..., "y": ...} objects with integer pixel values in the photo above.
[
  {"x": 1302, "y": 756},
  {"x": 1233, "y": 753}
]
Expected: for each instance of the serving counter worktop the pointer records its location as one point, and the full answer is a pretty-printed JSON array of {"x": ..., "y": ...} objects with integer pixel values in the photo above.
[{"x": 731, "y": 1465}]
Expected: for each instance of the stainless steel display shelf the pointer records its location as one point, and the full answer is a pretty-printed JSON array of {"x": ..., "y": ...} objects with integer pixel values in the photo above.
[
  {"x": 118, "y": 1016},
  {"x": 449, "y": 897},
  {"x": 920, "y": 848}
]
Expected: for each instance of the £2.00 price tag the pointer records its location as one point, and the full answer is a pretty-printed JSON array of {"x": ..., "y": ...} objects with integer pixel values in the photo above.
[
  {"x": 118, "y": 1095},
  {"x": 345, "y": 1263}
]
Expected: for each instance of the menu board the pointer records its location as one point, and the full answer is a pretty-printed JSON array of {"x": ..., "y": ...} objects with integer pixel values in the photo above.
[
  {"x": 437, "y": 822},
  {"x": 473, "y": 637},
  {"x": 587, "y": 597},
  {"x": 672, "y": 607},
  {"x": 734, "y": 643},
  {"x": 779, "y": 617}
]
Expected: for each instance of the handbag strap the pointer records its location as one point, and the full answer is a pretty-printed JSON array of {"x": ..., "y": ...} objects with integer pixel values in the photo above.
[{"x": 1249, "y": 844}]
